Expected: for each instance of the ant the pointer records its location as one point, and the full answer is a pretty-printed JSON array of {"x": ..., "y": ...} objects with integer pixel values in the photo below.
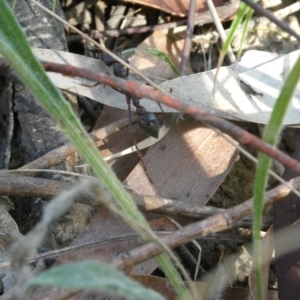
[{"x": 146, "y": 120}]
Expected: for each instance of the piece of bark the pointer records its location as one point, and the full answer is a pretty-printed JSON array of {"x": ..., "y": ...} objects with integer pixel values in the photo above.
[
  {"x": 6, "y": 119},
  {"x": 39, "y": 133},
  {"x": 36, "y": 132}
]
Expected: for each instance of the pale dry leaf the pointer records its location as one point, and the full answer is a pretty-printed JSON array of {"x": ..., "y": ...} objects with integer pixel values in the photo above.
[
  {"x": 98, "y": 92},
  {"x": 266, "y": 82},
  {"x": 253, "y": 59},
  {"x": 230, "y": 100}
]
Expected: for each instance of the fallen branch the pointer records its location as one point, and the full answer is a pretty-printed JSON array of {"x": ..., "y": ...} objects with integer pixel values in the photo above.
[
  {"x": 22, "y": 186},
  {"x": 206, "y": 227}
]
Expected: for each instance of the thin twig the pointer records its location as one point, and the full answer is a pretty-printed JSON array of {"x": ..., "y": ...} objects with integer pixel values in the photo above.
[
  {"x": 118, "y": 239},
  {"x": 188, "y": 38},
  {"x": 106, "y": 200},
  {"x": 220, "y": 29},
  {"x": 206, "y": 227},
  {"x": 57, "y": 155}
]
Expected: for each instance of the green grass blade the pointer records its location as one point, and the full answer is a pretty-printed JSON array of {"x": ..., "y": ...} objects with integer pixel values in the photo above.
[
  {"x": 242, "y": 11},
  {"x": 17, "y": 52},
  {"x": 53, "y": 5},
  {"x": 159, "y": 54},
  {"x": 14, "y": 4},
  {"x": 234, "y": 25},
  {"x": 245, "y": 30},
  {"x": 271, "y": 135}
]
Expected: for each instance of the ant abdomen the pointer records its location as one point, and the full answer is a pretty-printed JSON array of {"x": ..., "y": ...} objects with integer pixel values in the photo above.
[{"x": 149, "y": 123}]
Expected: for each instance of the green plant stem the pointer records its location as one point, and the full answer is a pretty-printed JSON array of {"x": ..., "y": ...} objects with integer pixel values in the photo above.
[
  {"x": 234, "y": 25},
  {"x": 245, "y": 30}
]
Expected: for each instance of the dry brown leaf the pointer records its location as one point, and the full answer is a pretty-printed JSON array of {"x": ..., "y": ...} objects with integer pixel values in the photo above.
[
  {"x": 106, "y": 226},
  {"x": 119, "y": 141},
  {"x": 175, "y": 7},
  {"x": 187, "y": 165}
]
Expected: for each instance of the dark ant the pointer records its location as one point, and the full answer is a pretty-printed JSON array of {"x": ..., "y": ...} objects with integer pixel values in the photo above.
[{"x": 147, "y": 121}]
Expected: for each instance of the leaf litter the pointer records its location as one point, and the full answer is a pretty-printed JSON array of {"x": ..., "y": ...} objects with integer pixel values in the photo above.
[{"x": 189, "y": 140}]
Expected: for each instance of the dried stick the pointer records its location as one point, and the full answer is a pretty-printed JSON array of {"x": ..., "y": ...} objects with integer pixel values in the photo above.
[
  {"x": 57, "y": 155},
  {"x": 128, "y": 237},
  {"x": 24, "y": 186},
  {"x": 206, "y": 227},
  {"x": 265, "y": 13},
  {"x": 12, "y": 185},
  {"x": 179, "y": 208},
  {"x": 188, "y": 38}
]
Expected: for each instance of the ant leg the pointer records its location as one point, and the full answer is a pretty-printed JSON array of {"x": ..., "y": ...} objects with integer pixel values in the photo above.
[{"x": 128, "y": 100}]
